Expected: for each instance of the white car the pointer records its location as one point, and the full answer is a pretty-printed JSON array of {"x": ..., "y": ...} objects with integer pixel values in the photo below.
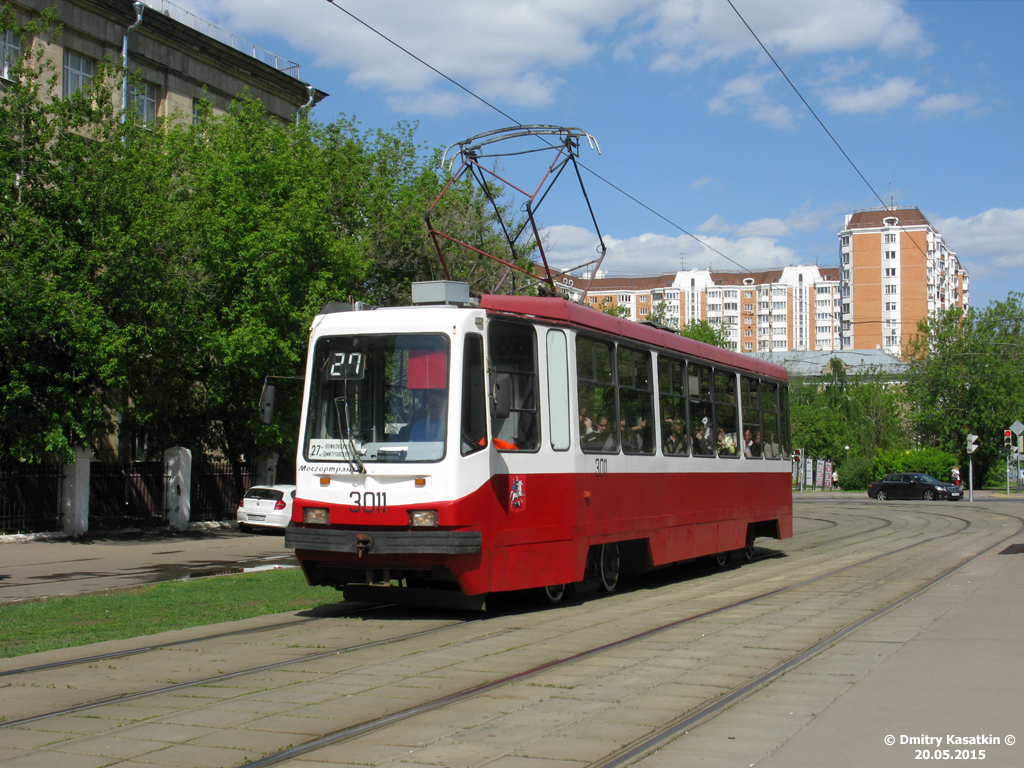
[{"x": 266, "y": 506}]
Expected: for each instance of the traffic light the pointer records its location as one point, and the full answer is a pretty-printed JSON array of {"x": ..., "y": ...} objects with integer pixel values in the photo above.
[
  {"x": 972, "y": 443},
  {"x": 796, "y": 455},
  {"x": 1007, "y": 437}
]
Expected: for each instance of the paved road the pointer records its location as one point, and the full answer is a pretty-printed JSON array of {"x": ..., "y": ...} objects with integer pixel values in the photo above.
[
  {"x": 944, "y": 664},
  {"x": 31, "y": 569}
]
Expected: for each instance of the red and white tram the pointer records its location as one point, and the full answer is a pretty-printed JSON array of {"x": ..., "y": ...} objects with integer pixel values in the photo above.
[{"x": 456, "y": 448}]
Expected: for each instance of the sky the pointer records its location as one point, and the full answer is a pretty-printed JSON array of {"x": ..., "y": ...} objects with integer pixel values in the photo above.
[{"x": 702, "y": 140}]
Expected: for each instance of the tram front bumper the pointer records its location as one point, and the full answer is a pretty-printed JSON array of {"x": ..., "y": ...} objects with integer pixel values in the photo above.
[{"x": 384, "y": 542}]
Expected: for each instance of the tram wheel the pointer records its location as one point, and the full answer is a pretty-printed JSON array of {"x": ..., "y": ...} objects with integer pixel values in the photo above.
[
  {"x": 554, "y": 593},
  {"x": 748, "y": 547},
  {"x": 722, "y": 559},
  {"x": 609, "y": 566}
]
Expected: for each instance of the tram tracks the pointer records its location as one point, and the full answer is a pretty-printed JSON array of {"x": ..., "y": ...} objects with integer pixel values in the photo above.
[
  {"x": 710, "y": 620},
  {"x": 689, "y": 719}
]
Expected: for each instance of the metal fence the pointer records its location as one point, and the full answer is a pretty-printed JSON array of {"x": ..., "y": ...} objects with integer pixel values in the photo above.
[
  {"x": 30, "y": 498},
  {"x": 126, "y": 496},
  {"x": 216, "y": 489}
]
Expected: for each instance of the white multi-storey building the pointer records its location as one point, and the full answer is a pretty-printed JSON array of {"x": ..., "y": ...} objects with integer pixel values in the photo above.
[{"x": 795, "y": 308}]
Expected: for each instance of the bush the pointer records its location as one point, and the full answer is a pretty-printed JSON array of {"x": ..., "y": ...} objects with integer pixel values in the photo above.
[
  {"x": 856, "y": 473},
  {"x": 930, "y": 461}
]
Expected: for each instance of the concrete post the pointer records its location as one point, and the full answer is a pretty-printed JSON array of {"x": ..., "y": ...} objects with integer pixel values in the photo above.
[
  {"x": 75, "y": 494},
  {"x": 178, "y": 487},
  {"x": 266, "y": 470}
]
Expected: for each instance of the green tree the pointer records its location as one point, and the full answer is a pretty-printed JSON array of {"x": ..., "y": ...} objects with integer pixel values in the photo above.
[
  {"x": 152, "y": 276},
  {"x": 615, "y": 310},
  {"x": 702, "y": 330},
  {"x": 53, "y": 320},
  {"x": 965, "y": 376}
]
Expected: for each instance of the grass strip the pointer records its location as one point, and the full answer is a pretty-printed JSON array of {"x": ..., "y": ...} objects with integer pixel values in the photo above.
[{"x": 65, "y": 622}]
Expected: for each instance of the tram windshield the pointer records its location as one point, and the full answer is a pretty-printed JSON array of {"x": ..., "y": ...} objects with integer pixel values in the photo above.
[{"x": 379, "y": 398}]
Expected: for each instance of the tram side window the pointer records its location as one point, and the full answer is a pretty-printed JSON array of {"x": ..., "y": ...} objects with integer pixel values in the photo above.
[
  {"x": 675, "y": 437},
  {"x": 725, "y": 414},
  {"x": 770, "y": 416},
  {"x": 596, "y": 392},
  {"x": 636, "y": 400},
  {"x": 513, "y": 351},
  {"x": 702, "y": 411},
  {"x": 474, "y": 396},
  {"x": 750, "y": 398}
]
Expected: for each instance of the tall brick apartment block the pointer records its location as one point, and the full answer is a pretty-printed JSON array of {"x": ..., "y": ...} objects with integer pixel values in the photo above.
[{"x": 895, "y": 270}]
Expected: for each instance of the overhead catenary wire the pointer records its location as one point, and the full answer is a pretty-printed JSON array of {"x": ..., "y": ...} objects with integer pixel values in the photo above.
[{"x": 806, "y": 303}]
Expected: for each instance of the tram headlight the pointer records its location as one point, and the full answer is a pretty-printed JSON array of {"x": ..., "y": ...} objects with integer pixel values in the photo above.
[
  {"x": 423, "y": 518},
  {"x": 314, "y": 515}
]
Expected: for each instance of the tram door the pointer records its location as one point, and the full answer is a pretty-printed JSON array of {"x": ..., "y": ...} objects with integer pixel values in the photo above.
[{"x": 528, "y": 525}]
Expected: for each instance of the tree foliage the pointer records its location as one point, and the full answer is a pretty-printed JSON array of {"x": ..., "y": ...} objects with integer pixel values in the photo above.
[
  {"x": 965, "y": 377},
  {"x": 702, "y": 330},
  {"x": 151, "y": 276},
  {"x": 849, "y": 419}
]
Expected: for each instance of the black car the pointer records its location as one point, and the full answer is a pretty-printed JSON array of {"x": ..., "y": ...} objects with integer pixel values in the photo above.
[{"x": 913, "y": 485}]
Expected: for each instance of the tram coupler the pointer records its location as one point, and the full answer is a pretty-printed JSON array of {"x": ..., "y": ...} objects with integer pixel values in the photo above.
[{"x": 364, "y": 543}]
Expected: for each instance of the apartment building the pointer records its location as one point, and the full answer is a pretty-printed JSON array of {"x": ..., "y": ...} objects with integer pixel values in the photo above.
[
  {"x": 180, "y": 57},
  {"x": 896, "y": 269},
  {"x": 795, "y": 308}
]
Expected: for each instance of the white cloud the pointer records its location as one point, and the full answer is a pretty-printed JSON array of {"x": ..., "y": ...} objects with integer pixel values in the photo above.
[
  {"x": 893, "y": 93},
  {"x": 685, "y": 34},
  {"x": 990, "y": 244},
  {"x": 651, "y": 254},
  {"x": 706, "y": 181},
  {"x": 507, "y": 50},
  {"x": 749, "y": 92},
  {"x": 943, "y": 103}
]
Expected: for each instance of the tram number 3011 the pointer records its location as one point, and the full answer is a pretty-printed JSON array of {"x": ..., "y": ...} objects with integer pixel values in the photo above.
[{"x": 368, "y": 501}]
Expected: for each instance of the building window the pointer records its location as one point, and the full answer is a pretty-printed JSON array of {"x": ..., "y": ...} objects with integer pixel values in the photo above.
[
  {"x": 643, "y": 311},
  {"x": 890, "y": 254},
  {"x": 890, "y": 272},
  {"x": 732, "y": 294},
  {"x": 844, "y": 240},
  {"x": 748, "y": 333},
  {"x": 846, "y": 258},
  {"x": 10, "y": 52},
  {"x": 623, "y": 298},
  {"x": 890, "y": 306},
  {"x": 714, "y": 307},
  {"x": 748, "y": 347},
  {"x": 78, "y": 71},
  {"x": 732, "y": 305},
  {"x": 748, "y": 321},
  {"x": 890, "y": 237},
  {"x": 143, "y": 99},
  {"x": 891, "y": 289}
]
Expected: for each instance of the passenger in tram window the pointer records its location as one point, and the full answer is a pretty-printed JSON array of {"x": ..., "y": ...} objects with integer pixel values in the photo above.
[
  {"x": 757, "y": 447},
  {"x": 726, "y": 445},
  {"x": 673, "y": 444},
  {"x": 751, "y": 444},
  {"x": 632, "y": 436},
  {"x": 604, "y": 438},
  {"x": 771, "y": 448},
  {"x": 587, "y": 427},
  {"x": 429, "y": 424},
  {"x": 701, "y": 443}
]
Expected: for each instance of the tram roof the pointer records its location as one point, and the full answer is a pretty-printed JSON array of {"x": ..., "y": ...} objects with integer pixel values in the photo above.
[{"x": 564, "y": 312}]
